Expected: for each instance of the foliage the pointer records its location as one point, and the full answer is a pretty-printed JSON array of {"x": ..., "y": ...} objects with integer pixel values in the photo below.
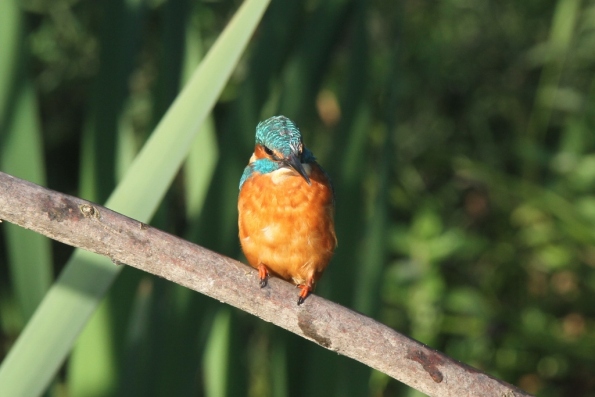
[{"x": 459, "y": 138}]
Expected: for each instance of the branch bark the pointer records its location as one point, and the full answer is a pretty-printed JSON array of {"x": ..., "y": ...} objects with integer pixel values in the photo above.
[{"x": 94, "y": 228}]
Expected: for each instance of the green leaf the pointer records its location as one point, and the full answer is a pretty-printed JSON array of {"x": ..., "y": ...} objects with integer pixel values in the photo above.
[
  {"x": 21, "y": 154},
  {"x": 49, "y": 336}
]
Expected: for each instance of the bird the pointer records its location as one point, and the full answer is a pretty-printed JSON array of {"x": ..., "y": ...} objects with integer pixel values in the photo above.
[{"x": 286, "y": 208}]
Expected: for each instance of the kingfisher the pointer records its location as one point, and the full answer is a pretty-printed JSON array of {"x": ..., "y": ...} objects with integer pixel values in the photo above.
[{"x": 286, "y": 208}]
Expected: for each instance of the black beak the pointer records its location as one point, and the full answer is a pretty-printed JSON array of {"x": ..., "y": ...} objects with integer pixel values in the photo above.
[{"x": 294, "y": 162}]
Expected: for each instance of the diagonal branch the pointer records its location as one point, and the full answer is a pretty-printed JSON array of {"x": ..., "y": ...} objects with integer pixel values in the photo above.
[{"x": 94, "y": 228}]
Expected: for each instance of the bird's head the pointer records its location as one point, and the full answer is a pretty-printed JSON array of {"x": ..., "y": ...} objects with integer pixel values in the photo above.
[{"x": 279, "y": 140}]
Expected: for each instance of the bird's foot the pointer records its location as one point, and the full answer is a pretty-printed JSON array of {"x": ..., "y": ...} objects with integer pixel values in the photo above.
[
  {"x": 306, "y": 289},
  {"x": 263, "y": 274}
]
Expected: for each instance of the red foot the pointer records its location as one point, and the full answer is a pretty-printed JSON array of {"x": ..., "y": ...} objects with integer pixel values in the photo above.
[
  {"x": 306, "y": 289},
  {"x": 263, "y": 274}
]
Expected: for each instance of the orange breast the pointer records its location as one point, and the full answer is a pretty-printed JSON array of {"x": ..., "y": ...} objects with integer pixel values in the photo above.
[{"x": 288, "y": 225}]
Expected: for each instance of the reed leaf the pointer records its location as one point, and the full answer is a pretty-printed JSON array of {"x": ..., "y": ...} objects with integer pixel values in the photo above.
[{"x": 49, "y": 336}]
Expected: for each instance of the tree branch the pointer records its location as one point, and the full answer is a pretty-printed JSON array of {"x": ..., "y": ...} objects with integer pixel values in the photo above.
[{"x": 94, "y": 228}]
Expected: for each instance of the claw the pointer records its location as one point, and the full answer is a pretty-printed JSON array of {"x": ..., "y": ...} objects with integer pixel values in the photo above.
[
  {"x": 306, "y": 289},
  {"x": 263, "y": 274}
]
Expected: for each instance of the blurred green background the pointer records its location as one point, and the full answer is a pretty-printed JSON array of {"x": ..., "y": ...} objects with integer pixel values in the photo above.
[{"x": 460, "y": 138}]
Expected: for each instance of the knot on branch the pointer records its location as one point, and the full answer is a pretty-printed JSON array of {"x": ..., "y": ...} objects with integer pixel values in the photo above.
[{"x": 429, "y": 363}]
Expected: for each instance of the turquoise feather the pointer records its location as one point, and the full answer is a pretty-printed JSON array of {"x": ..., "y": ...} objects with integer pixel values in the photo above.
[{"x": 282, "y": 136}]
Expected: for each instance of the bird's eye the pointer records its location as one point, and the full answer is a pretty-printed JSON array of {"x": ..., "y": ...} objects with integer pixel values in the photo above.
[{"x": 268, "y": 151}]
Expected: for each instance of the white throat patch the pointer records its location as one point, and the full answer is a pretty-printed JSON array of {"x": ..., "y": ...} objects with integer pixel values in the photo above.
[{"x": 282, "y": 173}]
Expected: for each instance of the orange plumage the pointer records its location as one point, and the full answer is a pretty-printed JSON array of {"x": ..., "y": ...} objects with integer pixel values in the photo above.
[{"x": 286, "y": 225}]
